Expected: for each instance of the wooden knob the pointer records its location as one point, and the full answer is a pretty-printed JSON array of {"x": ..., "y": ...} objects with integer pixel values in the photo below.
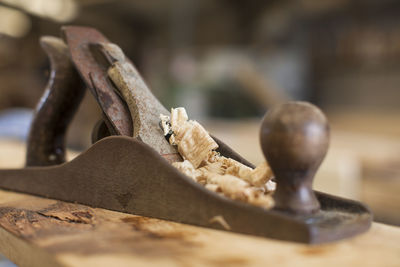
[{"x": 295, "y": 138}]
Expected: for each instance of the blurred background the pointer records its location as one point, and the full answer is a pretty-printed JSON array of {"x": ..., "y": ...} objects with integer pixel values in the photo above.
[{"x": 227, "y": 62}]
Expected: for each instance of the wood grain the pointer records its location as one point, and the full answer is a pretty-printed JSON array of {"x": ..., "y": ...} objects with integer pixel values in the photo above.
[{"x": 42, "y": 232}]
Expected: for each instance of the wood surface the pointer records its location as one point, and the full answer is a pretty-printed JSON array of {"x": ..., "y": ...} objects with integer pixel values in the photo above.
[{"x": 42, "y": 232}]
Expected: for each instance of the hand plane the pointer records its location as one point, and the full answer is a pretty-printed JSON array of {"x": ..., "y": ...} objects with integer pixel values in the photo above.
[{"x": 128, "y": 168}]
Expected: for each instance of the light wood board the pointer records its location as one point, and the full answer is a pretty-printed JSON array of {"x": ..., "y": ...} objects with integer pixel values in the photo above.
[{"x": 42, "y": 232}]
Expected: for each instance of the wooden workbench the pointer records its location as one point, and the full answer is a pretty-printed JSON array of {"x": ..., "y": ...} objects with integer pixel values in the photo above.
[{"x": 42, "y": 232}]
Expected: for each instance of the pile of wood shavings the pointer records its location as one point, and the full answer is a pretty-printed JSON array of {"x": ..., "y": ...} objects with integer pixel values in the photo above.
[{"x": 216, "y": 172}]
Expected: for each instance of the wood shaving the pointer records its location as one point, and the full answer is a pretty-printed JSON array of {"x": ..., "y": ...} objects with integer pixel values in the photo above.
[
  {"x": 187, "y": 168},
  {"x": 216, "y": 172},
  {"x": 193, "y": 141},
  {"x": 178, "y": 118},
  {"x": 220, "y": 220},
  {"x": 212, "y": 187}
]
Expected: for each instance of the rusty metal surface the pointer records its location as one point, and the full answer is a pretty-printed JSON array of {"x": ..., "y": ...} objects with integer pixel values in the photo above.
[
  {"x": 93, "y": 70},
  {"x": 134, "y": 175},
  {"x": 123, "y": 174},
  {"x": 144, "y": 107},
  {"x": 137, "y": 112},
  {"x": 63, "y": 93}
]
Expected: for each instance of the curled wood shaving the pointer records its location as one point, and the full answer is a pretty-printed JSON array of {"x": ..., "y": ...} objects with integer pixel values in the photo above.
[
  {"x": 193, "y": 141},
  {"x": 216, "y": 172},
  {"x": 212, "y": 187},
  {"x": 220, "y": 220},
  {"x": 187, "y": 168},
  {"x": 178, "y": 118}
]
